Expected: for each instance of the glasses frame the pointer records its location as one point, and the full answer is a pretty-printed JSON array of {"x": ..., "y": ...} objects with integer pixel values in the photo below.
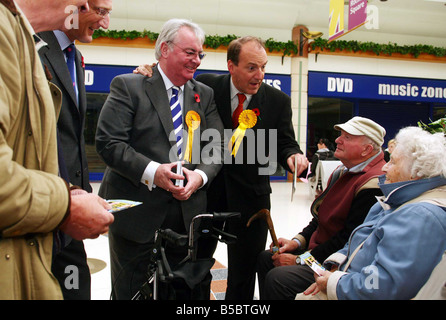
[
  {"x": 191, "y": 53},
  {"x": 101, "y": 11}
]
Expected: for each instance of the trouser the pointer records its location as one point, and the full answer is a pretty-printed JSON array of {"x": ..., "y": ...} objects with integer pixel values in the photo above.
[
  {"x": 281, "y": 283},
  {"x": 242, "y": 257},
  {"x": 71, "y": 270}
]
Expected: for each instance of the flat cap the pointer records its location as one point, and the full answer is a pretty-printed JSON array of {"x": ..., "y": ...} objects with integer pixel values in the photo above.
[{"x": 359, "y": 126}]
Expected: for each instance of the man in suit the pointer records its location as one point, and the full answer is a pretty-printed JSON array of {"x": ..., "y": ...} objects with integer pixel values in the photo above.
[
  {"x": 35, "y": 200},
  {"x": 71, "y": 127},
  {"x": 136, "y": 139},
  {"x": 244, "y": 186}
]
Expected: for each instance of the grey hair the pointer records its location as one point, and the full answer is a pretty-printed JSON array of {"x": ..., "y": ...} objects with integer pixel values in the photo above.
[
  {"x": 423, "y": 152},
  {"x": 169, "y": 33},
  {"x": 376, "y": 147}
]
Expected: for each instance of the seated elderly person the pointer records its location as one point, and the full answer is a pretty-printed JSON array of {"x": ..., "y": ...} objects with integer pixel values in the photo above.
[
  {"x": 344, "y": 204},
  {"x": 404, "y": 235}
]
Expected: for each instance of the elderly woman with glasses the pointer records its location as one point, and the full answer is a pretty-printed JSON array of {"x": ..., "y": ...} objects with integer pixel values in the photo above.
[{"x": 392, "y": 254}]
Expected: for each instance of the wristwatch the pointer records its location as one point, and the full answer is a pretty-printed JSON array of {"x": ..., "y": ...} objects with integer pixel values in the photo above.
[{"x": 298, "y": 260}]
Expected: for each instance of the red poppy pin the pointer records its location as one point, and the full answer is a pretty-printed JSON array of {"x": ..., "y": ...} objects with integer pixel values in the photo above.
[
  {"x": 197, "y": 97},
  {"x": 257, "y": 113},
  {"x": 83, "y": 63}
]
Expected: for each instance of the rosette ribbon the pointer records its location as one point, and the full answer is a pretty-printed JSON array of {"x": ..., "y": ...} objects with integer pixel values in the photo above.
[
  {"x": 246, "y": 120},
  {"x": 193, "y": 121}
]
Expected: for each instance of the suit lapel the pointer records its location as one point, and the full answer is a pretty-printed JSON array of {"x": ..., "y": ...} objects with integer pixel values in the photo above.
[
  {"x": 223, "y": 98},
  {"x": 257, "y": 101},
  {"x": 80, "y": 76},
  {"x": 190, "y": 101},
  {"x": 156, "y": 91},
  {"x": 56, "y": 59}
]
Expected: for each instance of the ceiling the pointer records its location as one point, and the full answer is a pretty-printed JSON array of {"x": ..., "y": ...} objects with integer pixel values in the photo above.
[{"x": 400, "y": 21}]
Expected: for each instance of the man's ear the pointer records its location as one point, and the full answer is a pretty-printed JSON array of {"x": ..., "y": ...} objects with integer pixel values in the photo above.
[
  {"x": 165, "y": 49},
  {"x": 367, "y": 150},
  {"x": 230, "y": 66}
]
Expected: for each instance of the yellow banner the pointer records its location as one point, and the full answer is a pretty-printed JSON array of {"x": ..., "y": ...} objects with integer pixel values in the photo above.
[{"x": 336, "y": 19}]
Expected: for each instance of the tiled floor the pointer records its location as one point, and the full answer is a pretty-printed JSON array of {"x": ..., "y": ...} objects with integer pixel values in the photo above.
[{"x": 289, "y": 218}]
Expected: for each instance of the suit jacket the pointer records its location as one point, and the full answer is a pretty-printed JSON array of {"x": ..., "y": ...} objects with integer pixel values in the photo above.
[
  {"x": 133, "y": 129},
  {"x": 34, "y": 200},
  {"x": 72, "y": 115},
  {"x": 243, "y": 180}
]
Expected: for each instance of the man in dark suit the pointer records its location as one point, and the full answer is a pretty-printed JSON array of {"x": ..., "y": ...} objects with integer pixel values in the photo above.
[
  {"x": 136, "y": 140},
  {"x": 71, "y": 129},
  {"x": 244, "y": 186}
]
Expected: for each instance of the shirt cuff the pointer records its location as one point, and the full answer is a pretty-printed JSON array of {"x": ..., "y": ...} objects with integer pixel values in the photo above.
[
  {"x": 149, "y": 175},
  {"x": 203, "y": 176}
]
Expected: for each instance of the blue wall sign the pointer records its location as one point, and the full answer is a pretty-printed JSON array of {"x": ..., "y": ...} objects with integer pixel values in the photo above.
[
  {"x": 99, "y": 77},
  {"x": 341, "y": 85}
]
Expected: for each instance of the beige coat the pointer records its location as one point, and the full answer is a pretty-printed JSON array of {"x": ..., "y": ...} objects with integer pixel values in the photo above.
[{"x": 33, "y": 199}]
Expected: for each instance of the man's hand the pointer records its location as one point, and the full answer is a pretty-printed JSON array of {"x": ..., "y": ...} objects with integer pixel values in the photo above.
[
  {"x": 145, "y": 70},
  {"x": 287, "y": 245},
  {"x": 88, "y": 218},
  {"x": 194, "y": 181},
  {"x": 164, "y": 176},
  {"x": 302, "y": 163},
  {"x": 284, "y": 259}
]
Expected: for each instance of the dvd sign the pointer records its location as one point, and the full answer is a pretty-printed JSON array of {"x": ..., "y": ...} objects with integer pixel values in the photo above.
[{"x": 339, "y": 85}]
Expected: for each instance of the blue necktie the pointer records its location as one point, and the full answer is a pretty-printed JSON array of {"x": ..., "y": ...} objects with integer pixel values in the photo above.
[
  {"x": 177, "y": 118},
  {"x": 70, "y": 52}
]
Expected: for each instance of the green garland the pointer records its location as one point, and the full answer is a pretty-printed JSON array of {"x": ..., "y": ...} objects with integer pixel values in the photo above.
[
  {"x": 289, "y": 48},
  {"x": 378, "y": 49}
]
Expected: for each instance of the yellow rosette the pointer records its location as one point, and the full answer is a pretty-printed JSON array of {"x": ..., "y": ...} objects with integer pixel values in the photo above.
[
  {"x": 193, "y": 121},
  {"x": 246, "y": 120}
]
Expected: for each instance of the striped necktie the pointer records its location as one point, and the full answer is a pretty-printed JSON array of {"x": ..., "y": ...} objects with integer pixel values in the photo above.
[{"x": 177, "y": 119}]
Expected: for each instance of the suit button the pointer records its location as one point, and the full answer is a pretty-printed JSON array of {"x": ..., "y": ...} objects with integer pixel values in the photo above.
[{"x": 78, "y": 173}]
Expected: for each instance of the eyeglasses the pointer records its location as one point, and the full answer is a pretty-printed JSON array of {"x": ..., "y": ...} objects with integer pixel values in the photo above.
[
  {"x": 101, "y": 11},
  {"x": 190, "y": 52}
]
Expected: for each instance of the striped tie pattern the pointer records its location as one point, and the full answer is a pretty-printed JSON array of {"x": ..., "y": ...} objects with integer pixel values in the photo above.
[{"x": 177, "y": 118}]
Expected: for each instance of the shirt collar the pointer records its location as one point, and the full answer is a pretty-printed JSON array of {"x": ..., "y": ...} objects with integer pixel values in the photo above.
[
  {"x": 62, "y": 38},
  {"x": 360, "y": 167},
  {"x": 167, "y": 81},
  {"x": 234, "y": 92}
]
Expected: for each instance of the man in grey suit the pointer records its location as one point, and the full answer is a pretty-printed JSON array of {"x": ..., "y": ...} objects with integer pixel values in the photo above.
[
  {"x": 71, "y": 130},
  {"x": 134, "y": 138}
]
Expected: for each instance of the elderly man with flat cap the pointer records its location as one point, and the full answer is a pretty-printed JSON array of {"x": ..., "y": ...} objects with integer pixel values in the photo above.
[{"x": 343, "y": 205}]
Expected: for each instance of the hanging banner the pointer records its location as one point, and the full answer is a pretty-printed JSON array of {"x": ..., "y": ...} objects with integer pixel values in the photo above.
[
  {"x": 336, "y": 19},
  {"x": 357, "y": 13}
]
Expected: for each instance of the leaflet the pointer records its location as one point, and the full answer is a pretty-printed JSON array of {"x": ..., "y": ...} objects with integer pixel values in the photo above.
[
  {"x": 312, "y": 262},
  {"x": 119, "y": 205}
]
